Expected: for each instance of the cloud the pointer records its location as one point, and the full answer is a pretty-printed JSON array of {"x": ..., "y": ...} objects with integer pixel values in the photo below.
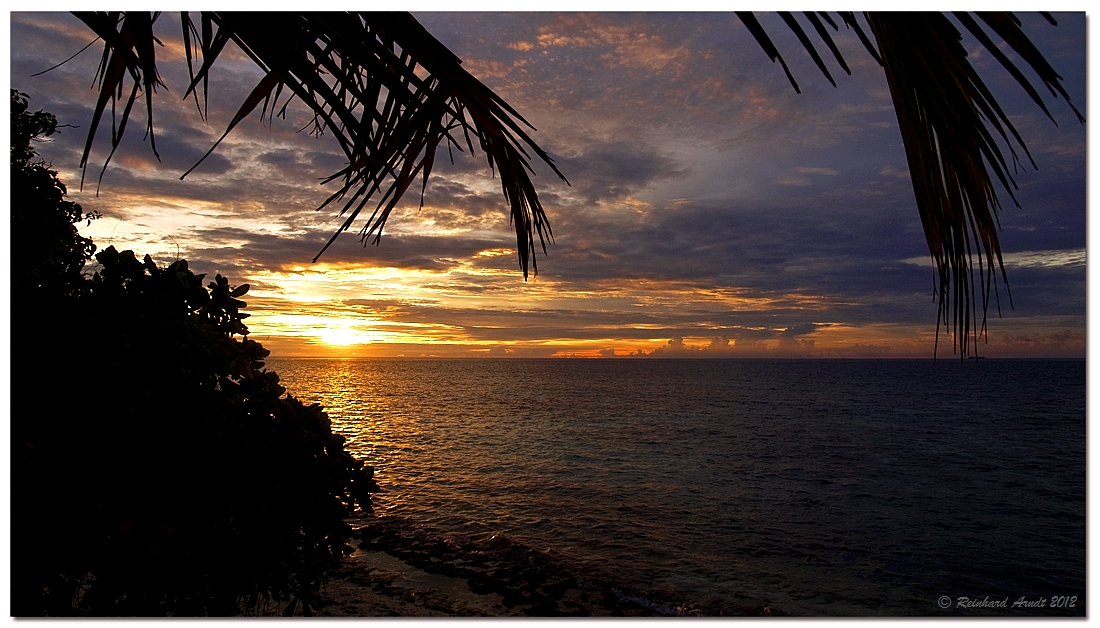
[
  {"x": 1061, "y": 343},
  {"x": 1029, "y": 259},
  {"x": 896, "y": 173},
  {"x": 710, "y": 205},
  {"x": 822, "y": 171},
  {"x": 1046, "y": 259},
  {"x": 617, "y": 170},
  {"x": 795, "y": 181},
  {"x": 800, "y": 329},
  {"x": 177, "y": 153}
]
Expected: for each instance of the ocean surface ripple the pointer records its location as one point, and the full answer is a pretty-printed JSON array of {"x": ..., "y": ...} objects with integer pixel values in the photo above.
[{"x": 823, "y": 487}]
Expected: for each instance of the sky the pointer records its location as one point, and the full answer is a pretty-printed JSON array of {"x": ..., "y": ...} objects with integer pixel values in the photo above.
[{"x": 711, "y": 211}]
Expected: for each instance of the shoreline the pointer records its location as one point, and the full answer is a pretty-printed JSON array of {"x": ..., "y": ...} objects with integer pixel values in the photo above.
[{"x": 403, "y": 569}]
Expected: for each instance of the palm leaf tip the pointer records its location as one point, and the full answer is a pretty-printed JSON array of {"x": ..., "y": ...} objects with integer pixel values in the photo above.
[
  {"x": 949, "y": 122},
  {"x": 765, "y": 42},
  {"x": 806, "y": 43},
  {"x": 952, "y": 130}
]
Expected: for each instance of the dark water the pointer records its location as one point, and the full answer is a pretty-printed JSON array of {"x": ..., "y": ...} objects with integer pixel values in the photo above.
[{"x": 841, "y": 487}]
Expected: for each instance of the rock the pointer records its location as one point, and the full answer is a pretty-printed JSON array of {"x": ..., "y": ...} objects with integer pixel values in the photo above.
[
  {"x": 481, "y": 585},
  {"x": 530, "y": 582},
  {"x": 515, "y": 598},
  {"x": 546, "y": 608}
]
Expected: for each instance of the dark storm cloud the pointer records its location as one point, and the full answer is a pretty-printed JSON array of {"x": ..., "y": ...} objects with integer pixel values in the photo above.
[
  {"x": 1058, "y": 291},
  {"x": 799, "y": 330},
  {"x": 782, "y": 247},
  {"x": 615, "y": 170},
  {"x": 180, "y": 154},
  {"x": 327, "y": 161},
  {"x": 447, "y": 194},
  {"x": 257, "y": 251},
  {"x": 281, "y": 159},
  {"x": 855, "y": 255}
]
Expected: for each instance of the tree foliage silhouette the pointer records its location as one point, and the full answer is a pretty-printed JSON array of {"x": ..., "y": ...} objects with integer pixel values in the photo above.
[
  {"x": 390, "y": 93},
  {"x": 158, "y": 468},
  {"x": 49, "y": 250}
]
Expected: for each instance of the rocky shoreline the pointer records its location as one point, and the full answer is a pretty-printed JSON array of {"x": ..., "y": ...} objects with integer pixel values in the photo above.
[{"x": 405, "y": 569}]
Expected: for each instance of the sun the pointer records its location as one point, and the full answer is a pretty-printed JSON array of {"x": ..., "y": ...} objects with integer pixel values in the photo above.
[{"x": 342, "y": 336}]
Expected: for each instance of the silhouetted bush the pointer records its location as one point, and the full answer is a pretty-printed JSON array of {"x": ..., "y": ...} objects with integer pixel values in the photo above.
[
  {"x": 47, "y": 251},
  {"x": 157, "y": 468}
]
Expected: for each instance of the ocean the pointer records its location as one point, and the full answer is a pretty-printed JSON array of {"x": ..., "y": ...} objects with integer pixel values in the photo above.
[{"x": 818, "y": 487}]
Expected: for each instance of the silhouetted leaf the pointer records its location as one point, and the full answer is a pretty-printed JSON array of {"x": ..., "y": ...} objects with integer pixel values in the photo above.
[
  {"x": 380, "y": 84},
  {"x": 949, "y": 123}
]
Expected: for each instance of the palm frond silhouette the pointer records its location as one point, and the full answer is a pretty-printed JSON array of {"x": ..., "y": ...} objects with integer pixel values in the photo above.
[
  {"x": 949, "y": 123},
  {"x": 390, "y": 93},
  {"x": 387, "y": 90}
]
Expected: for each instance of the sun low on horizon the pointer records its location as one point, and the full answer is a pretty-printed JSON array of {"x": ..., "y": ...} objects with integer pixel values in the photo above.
[{"x": 711, "y": 210}]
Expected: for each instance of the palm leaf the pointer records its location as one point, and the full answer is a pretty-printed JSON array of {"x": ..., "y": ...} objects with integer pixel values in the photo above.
[
  {"x": 387, "y": 90},
  {"x": 950, "y": 124},
  {"x": 127, "y": 49}
]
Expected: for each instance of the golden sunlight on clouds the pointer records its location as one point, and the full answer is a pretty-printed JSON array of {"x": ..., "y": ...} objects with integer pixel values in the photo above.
[
  {"x": 346, "y": 335},
  {"x": 467, "y": 310},
  {"x": 495, "y": 252},
  {"x": 344, "y": 330},
  {"x": 322, "y": 282},
  {"x": 388, "y": 312}
]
